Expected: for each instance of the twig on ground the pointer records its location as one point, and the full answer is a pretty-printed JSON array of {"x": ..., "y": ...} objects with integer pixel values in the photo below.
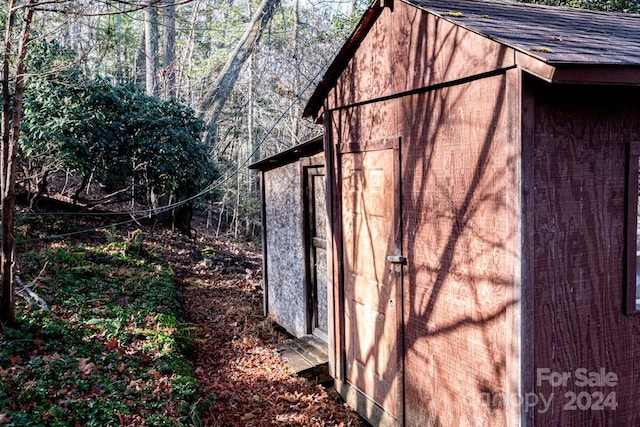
[{"x": 29, "y": 296}]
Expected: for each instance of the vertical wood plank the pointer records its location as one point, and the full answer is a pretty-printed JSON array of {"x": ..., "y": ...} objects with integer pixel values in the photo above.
[
  {"x": 527, "y": 296},
  {"x": 631, "y": 246},
  {"x": 513, "y": 246}
]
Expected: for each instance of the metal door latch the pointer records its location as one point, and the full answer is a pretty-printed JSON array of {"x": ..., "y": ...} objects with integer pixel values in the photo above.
[{"x": 396, "y": 259}]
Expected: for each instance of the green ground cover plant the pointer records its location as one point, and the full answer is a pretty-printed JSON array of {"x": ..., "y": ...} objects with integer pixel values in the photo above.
[{"x": 110, "y": 349}]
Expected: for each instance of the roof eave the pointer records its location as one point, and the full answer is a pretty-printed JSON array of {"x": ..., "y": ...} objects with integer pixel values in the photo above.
[
  {"x": 559, "y": 72},
  {"x": 305, "y": 149}
]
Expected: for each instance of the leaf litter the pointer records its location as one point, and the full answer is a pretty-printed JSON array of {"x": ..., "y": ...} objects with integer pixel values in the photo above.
[
  {"x": 241, "y": 379},
  {"x": 235, "y": 356}
]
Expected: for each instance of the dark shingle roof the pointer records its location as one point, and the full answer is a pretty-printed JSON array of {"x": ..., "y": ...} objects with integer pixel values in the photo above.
[{"x": 556, "y": 35}]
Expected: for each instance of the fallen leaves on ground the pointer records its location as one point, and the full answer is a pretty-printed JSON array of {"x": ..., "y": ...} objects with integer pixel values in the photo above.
[
  {"x": 110, "y": 349},
  {"x": 235, "y": 357}
]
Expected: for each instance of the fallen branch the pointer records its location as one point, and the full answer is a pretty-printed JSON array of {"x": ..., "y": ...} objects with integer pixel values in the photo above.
[{"x": 25, "y": 292}]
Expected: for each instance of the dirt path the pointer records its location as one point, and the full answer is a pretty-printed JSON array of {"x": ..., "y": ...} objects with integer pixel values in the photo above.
[{"x": 235, "y": 355}]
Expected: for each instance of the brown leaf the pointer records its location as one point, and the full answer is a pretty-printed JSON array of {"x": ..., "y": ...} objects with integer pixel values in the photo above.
[
  {"x": 248, "y": 416},
  {"x": 289, "y": 397},
  {"x": 4, "y": 419},
  {"x": 111, "y": 344},
  {"x": 50, "y": 357},
  {"x": 85, "y": 366}
]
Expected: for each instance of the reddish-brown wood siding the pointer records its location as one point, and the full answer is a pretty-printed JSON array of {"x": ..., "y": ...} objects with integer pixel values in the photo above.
[
  {"x": 428, "y": 51},
  {"x": 577, "y": 168},
  {"x": 513, "y": 245},
  {"x": 409, "y": 49},
  {"x": 512, "y": 207},
  {"x": 459, "y": 233},
  {"x": 368, "y": 74},
  {"x": 459, "y": 208}
]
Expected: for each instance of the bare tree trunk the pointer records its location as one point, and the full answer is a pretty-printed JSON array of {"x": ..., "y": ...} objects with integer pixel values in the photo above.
[
  {"x": 222, "y": 206},
  {"x": 186, "y": 61},
  {"x": 118, "y": 73},
  {"x": 12, "y": 114},
  {"x": 295, "y": 109},
  {"x": 151, "y": 48},
  {"x": 251, "y": 139},
  {"x": 214, "y": 100},
  {"x": 7, "y": 302},
  {"x": 139, "y": 75},
  {"x": 236, "y": 210},
  {"x": 168, "y": 48},
  {"x": 254, "y": 145},
  {"x": 74, "y": 29}
]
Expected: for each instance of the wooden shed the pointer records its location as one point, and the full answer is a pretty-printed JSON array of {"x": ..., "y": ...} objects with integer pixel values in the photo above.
[
  {"x": 482, "y": 165},
  {"x": 294, "y": 240}
]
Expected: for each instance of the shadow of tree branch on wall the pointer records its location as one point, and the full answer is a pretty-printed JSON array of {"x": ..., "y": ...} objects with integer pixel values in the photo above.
[{"x": 456, "y": 228}]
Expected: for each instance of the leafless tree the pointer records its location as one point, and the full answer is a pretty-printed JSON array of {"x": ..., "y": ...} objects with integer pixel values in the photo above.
[
  {"x": 213, "y": 102},
  {"x": 13, "y": 83},
  {"x": 151, "y": 48},
  {"x": 168, "y": 48}
]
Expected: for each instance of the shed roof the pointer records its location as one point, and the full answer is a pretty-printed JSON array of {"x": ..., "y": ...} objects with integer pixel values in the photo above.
[
  {"x": 308, "y": 148},
  {"x": 556, "y": 35},
  {"x": 551, "y": 36}
]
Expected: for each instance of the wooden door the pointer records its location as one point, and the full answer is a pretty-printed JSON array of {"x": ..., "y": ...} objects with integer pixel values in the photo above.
[
  {"x": 372, "y": 300},
  {"x": 316, "y": 252}
]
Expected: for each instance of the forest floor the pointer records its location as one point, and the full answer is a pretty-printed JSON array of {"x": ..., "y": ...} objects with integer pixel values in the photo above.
[
  {"x": 143, "y": 326},
  {"x": 235, "y": 352}
]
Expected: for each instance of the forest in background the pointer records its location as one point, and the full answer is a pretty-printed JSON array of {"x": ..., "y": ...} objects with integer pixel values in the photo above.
[
  {"x": 232, "y": 75},
  {"x": 245, "y": 68}
]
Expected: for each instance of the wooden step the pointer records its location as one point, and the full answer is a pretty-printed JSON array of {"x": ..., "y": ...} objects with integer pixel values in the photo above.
[{"x": 307, "y": 357}]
